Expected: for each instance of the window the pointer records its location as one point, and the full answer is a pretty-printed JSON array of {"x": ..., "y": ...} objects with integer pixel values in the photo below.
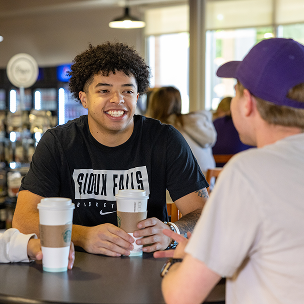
[
  {"x": 168, "y": 58},
  {"x": 294, "y": 31},
  {"x": 223, "y": 46},
  {"x": 234, "y": 27},
  {"x": 167, "y": 44}
]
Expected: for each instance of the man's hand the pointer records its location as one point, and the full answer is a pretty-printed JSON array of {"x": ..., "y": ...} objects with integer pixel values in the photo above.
[
  {"x": 189, "y": 281},
  {"x": 179, "y": 252},
  {"x": 34, "y": 252},
  {"x": 151, "y": 230},
  {"x": 105, "y": 239}
]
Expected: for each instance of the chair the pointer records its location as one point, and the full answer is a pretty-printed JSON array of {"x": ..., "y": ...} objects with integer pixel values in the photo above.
[
  {"x": 173, "y": 212},
  {"x": 212, "y": 173},
  {"x": 171, "y": 207},
  {"x": 222, "y": 158}
]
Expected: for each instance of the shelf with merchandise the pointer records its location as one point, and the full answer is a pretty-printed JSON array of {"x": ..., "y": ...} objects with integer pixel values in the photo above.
[{"x": 19, "y": 134}]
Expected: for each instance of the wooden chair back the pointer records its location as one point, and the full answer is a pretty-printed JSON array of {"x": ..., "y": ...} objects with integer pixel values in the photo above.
[
  {"x": 173, "y": 212},
  {"x": 222, "y": 158},
  {"x": 212, "y": 173}
]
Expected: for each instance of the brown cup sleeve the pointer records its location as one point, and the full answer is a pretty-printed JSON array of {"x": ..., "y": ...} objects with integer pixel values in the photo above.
[
  {"x": 55, "y": 236},
  {"x": 128, "y": 220}
]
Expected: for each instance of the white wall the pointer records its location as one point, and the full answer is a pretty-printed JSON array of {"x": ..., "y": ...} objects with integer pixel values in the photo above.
[{"x": 56, "y": 36}]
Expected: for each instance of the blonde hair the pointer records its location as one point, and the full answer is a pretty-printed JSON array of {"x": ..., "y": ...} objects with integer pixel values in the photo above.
[
  {"x": 223, "y": 108},
  {"x": 164, "y": 102},
  {"x": 281, "y": 115}
]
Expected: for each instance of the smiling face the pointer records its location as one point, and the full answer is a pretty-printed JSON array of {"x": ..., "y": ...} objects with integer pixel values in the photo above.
[{"x": 111, "y": 103}]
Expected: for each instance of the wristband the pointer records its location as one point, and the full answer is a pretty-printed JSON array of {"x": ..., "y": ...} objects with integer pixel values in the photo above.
[{"x": 167, "y": 266}]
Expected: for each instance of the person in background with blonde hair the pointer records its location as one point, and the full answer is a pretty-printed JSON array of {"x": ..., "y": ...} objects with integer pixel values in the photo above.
[
  {"x": 196, "y": 127},
  {"x": 228, "y": 140},
  {"x": 223, "y": 108}
]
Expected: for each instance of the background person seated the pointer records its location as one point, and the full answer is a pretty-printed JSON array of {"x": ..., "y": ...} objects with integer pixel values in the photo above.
[
  {"x": 197, "y": 128},
  {"x": 228, "y": 140},
  {"x": 223, "y": 108}
]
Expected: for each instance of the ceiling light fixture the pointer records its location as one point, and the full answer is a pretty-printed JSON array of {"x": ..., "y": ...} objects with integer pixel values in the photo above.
[{"x": 127, "y": 21}]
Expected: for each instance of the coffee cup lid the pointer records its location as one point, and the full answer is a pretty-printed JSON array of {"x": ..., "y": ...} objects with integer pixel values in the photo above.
[
  {"x": 56, "y": 203},
  {"x": 131, "y": 193}
]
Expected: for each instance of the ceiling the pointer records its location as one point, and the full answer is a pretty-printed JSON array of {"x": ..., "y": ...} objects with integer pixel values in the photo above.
[
  {"x": 22, "y": 7},
  {"x": 54, "y": 31}
]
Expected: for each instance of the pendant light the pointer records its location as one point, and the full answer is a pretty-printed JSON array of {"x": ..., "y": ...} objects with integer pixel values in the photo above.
[{"x": 127, "y": 21}]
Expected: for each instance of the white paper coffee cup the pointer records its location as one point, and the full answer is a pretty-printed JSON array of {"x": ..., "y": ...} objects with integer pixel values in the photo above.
[
  {"x": 131, "y": 209},
  {"x": 55, "y": 219}
]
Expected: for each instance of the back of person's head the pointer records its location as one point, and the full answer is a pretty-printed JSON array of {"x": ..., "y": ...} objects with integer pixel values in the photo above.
[
  {"x": 164, "y": 102},
  {"x": 105, "y": 59},
  {"x": 282, "y": 115},
  {"x": 223, "y": 108},
  {"x": 272, "y": 72}
]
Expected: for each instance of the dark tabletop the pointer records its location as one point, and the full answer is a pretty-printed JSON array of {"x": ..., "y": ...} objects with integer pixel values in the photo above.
[{"x": 94, "y": 279}]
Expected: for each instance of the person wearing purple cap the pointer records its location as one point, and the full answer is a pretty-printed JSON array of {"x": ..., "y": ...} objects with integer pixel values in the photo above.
[{"x": 251, "y": 229}]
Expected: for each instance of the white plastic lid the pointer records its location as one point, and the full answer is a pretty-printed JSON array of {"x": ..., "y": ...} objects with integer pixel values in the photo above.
[
  {"x": 56, "y": 203},
  {"x": 132, "y": 193}
]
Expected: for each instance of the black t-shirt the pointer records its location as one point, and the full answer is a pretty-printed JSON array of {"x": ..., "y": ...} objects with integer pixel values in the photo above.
[{"x": 69, "y": 162}]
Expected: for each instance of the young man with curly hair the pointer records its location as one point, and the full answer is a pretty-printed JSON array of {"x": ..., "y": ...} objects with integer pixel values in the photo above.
[
  {"x": 251, "y": 229},
  {"x": 90, "y": 158}
]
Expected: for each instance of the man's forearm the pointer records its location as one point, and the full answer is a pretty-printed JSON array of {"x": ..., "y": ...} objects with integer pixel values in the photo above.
[
  {"x": 26, "y": 215},
  {"x": 187, "y": 222},
  {"x": 28, "y": 224},
  {"x": 188, "y": 282},
  {"x": 79, "y": 235}
]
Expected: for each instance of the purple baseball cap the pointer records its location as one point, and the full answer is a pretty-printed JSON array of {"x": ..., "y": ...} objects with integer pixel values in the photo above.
[{"x": 270, "y": 69}]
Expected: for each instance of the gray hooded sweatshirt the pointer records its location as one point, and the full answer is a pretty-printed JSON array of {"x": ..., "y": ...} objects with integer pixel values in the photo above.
[{"x": 199, "y": 132}]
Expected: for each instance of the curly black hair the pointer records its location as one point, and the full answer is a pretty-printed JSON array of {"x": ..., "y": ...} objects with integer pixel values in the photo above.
[{"x": 106, "y": 58}]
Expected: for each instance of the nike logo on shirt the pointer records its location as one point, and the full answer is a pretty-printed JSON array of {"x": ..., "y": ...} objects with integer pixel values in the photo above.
[{"x": 104, "y": 213}]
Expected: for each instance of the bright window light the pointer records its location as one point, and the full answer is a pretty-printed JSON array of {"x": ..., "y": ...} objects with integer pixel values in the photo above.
[
  {"x": 37, "y": 100},
  {"x": 37, "y": 136},
  {"x": 152, "y": 64},
  {"x": 215, "y": 103},
  {"x": 268, "y": 35},
  {"x": 13, "y": 136},
  {"x": 61, "y": 107},
  {"x": 168, "y": 50},
  {"x": 13, "y": 165},
  {"x": 13, "y": 101}
]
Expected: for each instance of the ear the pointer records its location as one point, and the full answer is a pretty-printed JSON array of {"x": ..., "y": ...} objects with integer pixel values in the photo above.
[
  {"x": 83, "y": 98},
  {"x": 137, "y": 96},
  {"x": 248, "y": 105}
]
